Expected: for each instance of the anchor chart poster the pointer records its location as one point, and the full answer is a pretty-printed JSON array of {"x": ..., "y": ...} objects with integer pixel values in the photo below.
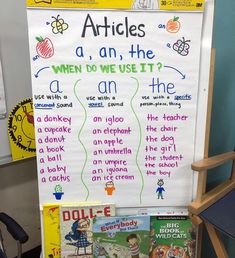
[{"x": 115, "y": 103}]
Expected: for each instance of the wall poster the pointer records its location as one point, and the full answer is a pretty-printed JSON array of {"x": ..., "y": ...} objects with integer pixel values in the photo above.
[{"x": 115, "y": 98}]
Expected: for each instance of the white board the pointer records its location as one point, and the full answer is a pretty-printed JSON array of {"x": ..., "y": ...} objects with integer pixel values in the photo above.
[
  {"x": 115, "y": 105},
  {"x": 199, "y": 136}
]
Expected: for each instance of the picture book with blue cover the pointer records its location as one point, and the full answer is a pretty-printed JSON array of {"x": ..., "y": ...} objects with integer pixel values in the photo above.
[{"x": 119, "y": 237}]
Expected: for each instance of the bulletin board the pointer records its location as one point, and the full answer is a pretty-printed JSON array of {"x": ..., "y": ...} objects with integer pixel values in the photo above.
[{"x": 120, "y": 100}]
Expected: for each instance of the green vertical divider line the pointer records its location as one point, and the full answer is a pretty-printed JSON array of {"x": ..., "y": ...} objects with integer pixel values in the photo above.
[
  {"x": 80, "y": 131},
  {"x": 140, "y": 137}
]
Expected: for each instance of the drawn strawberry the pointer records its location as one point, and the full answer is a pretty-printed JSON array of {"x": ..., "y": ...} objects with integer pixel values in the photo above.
[{"x": 44, "y": 47}]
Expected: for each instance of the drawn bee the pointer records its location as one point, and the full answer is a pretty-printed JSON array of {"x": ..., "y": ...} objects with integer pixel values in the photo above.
[
  {"x": 58, "y": 25},
  {"x": 182, "y": 47}
]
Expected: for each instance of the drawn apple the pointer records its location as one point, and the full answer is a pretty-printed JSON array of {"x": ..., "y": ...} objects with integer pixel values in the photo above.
[
  {"x": 173, "y": 25},
  {"x": 44, "y": 47}
]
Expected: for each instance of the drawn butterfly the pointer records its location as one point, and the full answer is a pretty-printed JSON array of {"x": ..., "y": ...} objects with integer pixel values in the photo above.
[{"x": 182, "y": 47}]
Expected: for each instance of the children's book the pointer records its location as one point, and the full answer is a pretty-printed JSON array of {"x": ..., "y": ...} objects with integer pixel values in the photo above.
[
  {"x": 121, "y": 237},
  {"x": 172, "y": 236},
  {"x": 51, "y": 230},
  {"x": 76, "y": 228}
]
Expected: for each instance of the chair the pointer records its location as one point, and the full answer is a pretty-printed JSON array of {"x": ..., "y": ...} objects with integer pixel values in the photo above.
[
  {"x": 216, "y": 207},
  {"x": 16, "y": 231}
]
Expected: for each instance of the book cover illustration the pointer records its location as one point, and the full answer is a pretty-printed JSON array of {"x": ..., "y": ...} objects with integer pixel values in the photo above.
[
  {"x": 76, "y": 228},
  {"x": 51, "y": 230},
  {"x": 172, "y": 237},
  {"x": 121, "y": 237}
]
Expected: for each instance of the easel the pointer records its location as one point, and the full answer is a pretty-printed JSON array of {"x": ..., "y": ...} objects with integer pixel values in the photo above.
[{"x": 201, "y": 187}]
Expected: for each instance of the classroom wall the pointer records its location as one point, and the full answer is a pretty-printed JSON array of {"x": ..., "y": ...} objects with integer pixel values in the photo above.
[
  {"x": 15, "y": 60},
  {"x": 18, "y": 183},
  {"x": 223, "y": 119}
]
